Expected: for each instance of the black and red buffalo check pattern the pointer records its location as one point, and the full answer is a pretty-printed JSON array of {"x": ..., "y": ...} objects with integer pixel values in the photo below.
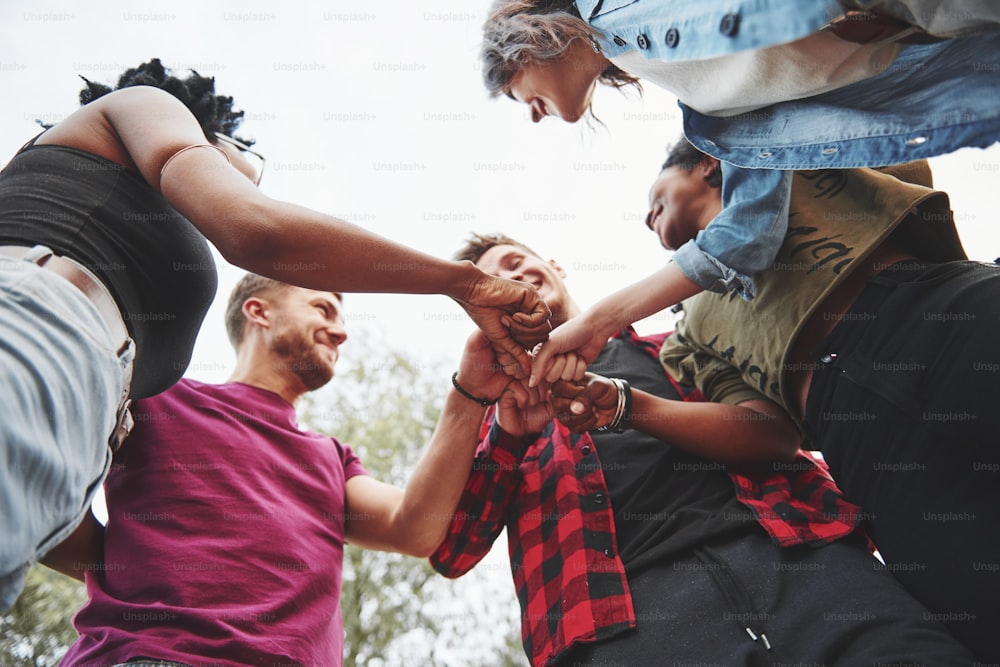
[{"x": 570, "y": 583}]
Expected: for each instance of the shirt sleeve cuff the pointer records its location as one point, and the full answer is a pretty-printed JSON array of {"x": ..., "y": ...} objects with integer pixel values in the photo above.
[
  {"x": 502, "y": 440},
  {"x": 711, "y": 274}
]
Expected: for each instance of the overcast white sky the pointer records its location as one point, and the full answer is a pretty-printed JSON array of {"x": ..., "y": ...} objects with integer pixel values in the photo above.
[{"x": 375, "y": 112}]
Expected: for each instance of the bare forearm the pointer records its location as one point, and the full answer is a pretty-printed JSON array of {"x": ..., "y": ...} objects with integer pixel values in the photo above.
[
  {"x": 434, "y": 489},
  {"x": 661, "y": 290},
  {"x": 744, "y": 433},
  {"x": 333, "y": 254},
  {"x": 274, "y": 238},
  {"x": 300, "y": 246}
]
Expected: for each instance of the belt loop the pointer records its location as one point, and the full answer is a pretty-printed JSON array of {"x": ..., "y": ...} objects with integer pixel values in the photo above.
[
  {"x": 123, "y": 425},
  {"x": 38, "y": 254},
  {"x": 98, "y": 294},
  {"x": 123, "y": 415}
]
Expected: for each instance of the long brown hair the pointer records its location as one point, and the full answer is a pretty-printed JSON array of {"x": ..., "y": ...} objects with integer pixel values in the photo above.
[{"x": 522, "y": 31}]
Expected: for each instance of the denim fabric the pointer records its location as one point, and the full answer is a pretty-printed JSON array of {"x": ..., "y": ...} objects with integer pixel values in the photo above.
[
  {"x": 712, "y": 28},
  {"x": 59, "y": 388},
  {"x": 931, "y": 100},
  {"x": 698, "y": 25},
  {"x": 934, "y": 99},
  {"x": 746, "y": 235}
]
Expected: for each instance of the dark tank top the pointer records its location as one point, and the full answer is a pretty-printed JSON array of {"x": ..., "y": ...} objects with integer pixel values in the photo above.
[
  {"x": 666, "y": 502},
  {"x": 157, "y": 266}
]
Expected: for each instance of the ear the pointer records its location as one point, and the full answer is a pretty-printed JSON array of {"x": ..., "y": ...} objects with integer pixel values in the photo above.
[
  {"x": 708, "y": 167},
  {"x": 256, "y": 312},
  {"x": 560, "y": 270}
]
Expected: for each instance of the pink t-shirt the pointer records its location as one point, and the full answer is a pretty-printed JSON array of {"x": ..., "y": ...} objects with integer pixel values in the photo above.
[{"x": 225, "y": 536}]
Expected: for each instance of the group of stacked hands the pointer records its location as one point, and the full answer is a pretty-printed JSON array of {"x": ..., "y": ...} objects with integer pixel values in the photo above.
[{"x": 660, "y": 502}]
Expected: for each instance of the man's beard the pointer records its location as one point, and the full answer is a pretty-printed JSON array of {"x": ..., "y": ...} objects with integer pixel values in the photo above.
[{"x": 301, "y": 357}]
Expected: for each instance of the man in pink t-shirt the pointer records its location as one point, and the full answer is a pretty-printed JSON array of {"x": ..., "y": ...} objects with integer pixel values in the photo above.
[{"x": 224, "y": 540}]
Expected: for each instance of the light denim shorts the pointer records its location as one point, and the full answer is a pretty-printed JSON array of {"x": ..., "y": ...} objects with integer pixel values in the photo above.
[{"x": 60, "y": 383}]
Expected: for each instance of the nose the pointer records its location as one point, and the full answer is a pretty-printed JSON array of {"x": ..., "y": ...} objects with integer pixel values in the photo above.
[
  {"x": 654, "y": 211},
  {"x": 537, "y": 113},
  {"x": 337, "y": 332}
]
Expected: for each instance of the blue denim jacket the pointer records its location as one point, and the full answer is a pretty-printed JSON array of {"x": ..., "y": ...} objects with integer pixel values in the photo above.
[
  {"x": 933, "y": 99},
  {"x": 697, "y": 29}
]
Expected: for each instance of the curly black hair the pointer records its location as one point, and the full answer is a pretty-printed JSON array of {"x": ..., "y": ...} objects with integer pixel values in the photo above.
[
  {"x": 214, "y": 113},
  {"x": 683, "y": 154}
]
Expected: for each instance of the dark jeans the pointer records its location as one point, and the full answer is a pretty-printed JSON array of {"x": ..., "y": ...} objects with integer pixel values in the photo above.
[
  {"x": 834, "y": 605},
  {"x": 906, "y": 410}
]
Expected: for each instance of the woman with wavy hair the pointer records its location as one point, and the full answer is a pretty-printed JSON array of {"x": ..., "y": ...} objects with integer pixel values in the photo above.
[{"x": 765, "y": 88}]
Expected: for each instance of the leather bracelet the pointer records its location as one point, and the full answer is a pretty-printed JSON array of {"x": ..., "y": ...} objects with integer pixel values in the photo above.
[{"x": 485, "y": 402}]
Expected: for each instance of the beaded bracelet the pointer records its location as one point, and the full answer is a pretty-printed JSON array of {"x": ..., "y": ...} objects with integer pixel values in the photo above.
[{"x": 485, "y": 402}]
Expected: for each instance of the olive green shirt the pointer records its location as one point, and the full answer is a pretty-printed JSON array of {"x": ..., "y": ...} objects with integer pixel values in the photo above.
[{"x": 735, "y": 350}]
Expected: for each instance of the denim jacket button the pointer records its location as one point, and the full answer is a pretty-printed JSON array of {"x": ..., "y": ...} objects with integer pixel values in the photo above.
[
  {"x": 730, "y": 25},
  {"x": 916, "y": 141},
  {"x": 642, "y": 41},
  {"x": 672, "y": 37}
]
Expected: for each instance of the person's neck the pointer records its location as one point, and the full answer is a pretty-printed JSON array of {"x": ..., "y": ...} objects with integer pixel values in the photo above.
[{"x": 266, "y": 374}]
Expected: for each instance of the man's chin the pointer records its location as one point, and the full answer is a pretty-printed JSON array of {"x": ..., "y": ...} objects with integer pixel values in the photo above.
[
  {"x": 315, "y": 372},
  {"x": 316, "y": 379}
]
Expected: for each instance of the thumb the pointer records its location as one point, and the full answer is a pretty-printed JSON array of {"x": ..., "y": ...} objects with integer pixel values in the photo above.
[{"x": 540, "y": 363}]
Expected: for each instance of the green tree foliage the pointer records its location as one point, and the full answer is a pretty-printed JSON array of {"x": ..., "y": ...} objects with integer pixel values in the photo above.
[
  {"x": 38, "y": 629},
  {"x": 397, "y": 610}
]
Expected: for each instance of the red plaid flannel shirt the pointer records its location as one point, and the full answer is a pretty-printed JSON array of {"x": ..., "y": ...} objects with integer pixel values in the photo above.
[{"x": 570, "y": 582}]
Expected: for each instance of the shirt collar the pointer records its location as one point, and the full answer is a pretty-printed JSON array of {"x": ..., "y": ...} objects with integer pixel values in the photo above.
[{"x": 588, "y": 8}]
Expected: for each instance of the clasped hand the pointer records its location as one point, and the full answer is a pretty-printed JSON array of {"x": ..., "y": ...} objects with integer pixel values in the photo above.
[
  {"x": 581, "y": 405},
  {"x": 580, "y": 400},
  {"x": 511, "y": 316}
]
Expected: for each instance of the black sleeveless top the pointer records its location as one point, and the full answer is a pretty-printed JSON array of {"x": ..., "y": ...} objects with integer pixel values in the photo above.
[{"x": 157, "y": 266}]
